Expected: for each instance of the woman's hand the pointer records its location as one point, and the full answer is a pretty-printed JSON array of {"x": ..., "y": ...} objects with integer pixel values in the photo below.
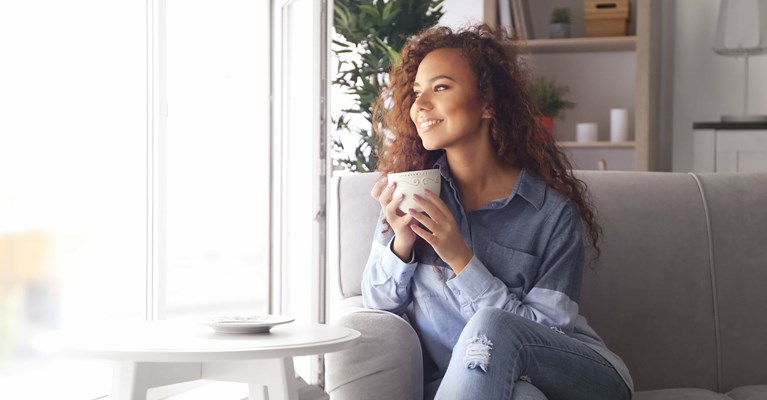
[
  {"x": 404, "y": 237},
  {"x": 445, "y": 236}
]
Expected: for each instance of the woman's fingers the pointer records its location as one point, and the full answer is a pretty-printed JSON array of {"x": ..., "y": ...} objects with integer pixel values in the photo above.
[
  {"x": 392, "y": 206},
  {"x": 386, "y": 195},
  {"x": 434, "y": 199},
  {"x": 429, "y": 206},
  {"x": 424, "y": 219},
  {"x": 423, "y": 233},
  {"x": 379, "y": 187}
]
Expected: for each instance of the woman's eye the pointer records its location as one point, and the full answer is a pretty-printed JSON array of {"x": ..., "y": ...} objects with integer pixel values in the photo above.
[
  {"x": 416, "y": 94},
  {"x": 440, "y": 88}
]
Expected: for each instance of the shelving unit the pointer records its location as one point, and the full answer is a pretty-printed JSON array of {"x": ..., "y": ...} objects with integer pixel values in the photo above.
[
  {"x": 597, "y": 145},
  {"x": 640, "y": 52},
  {"x": 581, "y": 45}
]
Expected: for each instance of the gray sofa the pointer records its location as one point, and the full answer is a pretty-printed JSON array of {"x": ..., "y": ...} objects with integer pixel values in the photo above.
[{"x": 680, "y": 291}]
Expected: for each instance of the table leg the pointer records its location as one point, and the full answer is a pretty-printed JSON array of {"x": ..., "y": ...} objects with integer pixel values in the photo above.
[
  {"x": 277, "y": 375},
  {"x": 257, "y": 392},
  {"x": 131, "y": 380},
  {"x": 282, "y": 380}
]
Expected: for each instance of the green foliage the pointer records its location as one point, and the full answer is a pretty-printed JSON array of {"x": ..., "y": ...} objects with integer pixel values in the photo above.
[
  {"x": 560, "y": 15},
  {"x": 550, "y": 97},
  {"x": 375, "y": 30}
]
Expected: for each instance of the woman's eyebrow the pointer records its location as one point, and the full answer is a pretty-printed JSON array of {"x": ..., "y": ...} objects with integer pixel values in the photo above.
[{"x": 434, "y": 79}]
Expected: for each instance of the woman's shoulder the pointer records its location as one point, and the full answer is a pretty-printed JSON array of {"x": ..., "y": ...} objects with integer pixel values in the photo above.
[{"x": 552, "y": 201}]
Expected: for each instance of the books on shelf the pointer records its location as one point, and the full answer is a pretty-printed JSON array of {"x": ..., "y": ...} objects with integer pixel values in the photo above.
[{"x": 515, "y": 15}]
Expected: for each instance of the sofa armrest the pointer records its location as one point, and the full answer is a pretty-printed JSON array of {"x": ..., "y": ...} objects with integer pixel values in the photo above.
[{"x": 385, "y": 364}]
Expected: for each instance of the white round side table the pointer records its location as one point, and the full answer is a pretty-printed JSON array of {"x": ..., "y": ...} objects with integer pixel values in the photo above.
[{"x": 153, "y": 354}]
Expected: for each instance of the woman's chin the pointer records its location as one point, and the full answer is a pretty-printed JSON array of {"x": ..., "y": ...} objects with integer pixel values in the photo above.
[{"x": 428, "y": 145}]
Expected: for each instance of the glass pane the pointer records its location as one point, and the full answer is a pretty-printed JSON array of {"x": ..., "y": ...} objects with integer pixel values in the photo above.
[
  {"x": 72, "y": 181},
  {"x": 217, "y": 158}
]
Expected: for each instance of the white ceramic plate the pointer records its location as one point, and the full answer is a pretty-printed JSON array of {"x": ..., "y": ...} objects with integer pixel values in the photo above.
[{"x": 248, "y": 324}]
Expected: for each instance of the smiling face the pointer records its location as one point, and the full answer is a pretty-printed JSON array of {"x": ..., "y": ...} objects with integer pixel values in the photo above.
[{"x": 448, "y": 110}]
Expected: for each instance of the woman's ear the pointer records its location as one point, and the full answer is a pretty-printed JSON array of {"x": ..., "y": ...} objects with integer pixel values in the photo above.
[{"x": 486, "y": 112}]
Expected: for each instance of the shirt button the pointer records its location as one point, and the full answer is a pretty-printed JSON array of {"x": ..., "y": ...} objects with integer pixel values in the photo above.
[{"x": 457, "y": 291}]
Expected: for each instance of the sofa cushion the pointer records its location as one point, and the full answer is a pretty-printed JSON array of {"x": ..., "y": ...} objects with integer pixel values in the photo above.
[
  {"x": 753, "y": 392},
  {"x": 680, "y": 394},
  {"x": 740, "y": 260},
  {"x": 650, "y": 294},
  {"x": 385, "y": 364},
  {"x": 357, "y": 216}
]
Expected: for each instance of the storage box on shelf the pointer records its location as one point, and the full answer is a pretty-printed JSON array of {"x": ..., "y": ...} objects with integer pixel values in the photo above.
[{"x": 606, "y": 18}]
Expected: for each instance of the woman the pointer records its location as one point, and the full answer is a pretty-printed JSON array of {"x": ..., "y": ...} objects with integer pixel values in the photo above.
[{"x": 490, "y": 272}]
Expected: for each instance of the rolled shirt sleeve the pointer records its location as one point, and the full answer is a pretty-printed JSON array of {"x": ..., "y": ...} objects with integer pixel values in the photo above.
[{"x": 386, "y": 280}]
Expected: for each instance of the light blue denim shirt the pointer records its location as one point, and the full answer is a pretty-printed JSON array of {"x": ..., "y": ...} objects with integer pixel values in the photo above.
[{"x": 528, "y": 259}]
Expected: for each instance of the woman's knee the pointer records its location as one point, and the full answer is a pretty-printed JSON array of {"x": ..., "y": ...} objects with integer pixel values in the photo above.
[
  {"x": 485, "y": 316},
  {"x": 489, "y": 319}
]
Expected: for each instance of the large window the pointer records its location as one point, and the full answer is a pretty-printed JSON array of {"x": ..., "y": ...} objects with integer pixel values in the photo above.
[
  {"x": 107, "y": 208},
  {"x": 215, "y": 167}
]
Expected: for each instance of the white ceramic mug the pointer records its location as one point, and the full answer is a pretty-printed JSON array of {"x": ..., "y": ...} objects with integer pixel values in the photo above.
[{"x": 414, "y": 182}]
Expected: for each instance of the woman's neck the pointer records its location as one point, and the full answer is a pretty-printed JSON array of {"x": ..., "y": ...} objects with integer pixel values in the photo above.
[{"x": 481, "y": 176}]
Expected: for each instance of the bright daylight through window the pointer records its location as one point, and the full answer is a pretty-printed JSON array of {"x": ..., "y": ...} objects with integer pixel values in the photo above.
[{"x": 77, "y": 167}]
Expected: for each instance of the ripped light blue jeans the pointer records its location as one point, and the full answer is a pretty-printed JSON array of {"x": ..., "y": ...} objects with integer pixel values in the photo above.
[{"x": 524, "y": 360}]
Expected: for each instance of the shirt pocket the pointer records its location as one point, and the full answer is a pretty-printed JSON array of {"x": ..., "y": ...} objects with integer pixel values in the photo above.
[{"x": 515, "y": 268}]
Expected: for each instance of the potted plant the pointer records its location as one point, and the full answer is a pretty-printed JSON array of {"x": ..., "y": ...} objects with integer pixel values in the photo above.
[
  {"x": 551, "y": 102},
  {"x": 559, "y": 25},
  {"x": 368, "y": 37}
]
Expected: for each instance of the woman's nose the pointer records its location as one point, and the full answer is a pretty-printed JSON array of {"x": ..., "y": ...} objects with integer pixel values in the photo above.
[{"x": 422, "y": 102}]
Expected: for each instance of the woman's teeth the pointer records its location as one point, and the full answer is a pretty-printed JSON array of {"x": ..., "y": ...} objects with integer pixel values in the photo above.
[{"x": 431, "y": 122}]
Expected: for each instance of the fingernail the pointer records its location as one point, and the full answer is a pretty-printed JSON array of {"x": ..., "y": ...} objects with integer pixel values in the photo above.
[
  {"x": 417, "y": 197},
  {"x": 401, "y": 196},
  {"x": 384, "y": 179},
  {"x": 428, "y": 191}
]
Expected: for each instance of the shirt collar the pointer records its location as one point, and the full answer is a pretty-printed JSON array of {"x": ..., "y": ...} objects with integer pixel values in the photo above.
[{"x": 529, "y": 185}]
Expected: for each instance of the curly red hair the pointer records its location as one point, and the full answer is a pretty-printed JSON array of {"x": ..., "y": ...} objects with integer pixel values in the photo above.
[{"x": 505, "y": 84}]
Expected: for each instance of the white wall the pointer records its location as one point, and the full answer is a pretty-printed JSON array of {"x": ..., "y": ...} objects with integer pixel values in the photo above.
[
  {"x": 459, "y": 13},
  {"x": 704, "y": 85}
]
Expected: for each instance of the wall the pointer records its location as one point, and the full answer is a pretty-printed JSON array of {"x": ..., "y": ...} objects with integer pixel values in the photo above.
[{"x": 704, "y": 85}]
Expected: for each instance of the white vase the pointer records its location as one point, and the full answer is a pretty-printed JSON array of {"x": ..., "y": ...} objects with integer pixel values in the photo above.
[{"x": 619, "y": 125}]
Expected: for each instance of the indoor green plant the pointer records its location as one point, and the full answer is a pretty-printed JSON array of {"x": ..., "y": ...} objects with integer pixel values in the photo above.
[
  {"x": 367, "y": 40},
  {"x": 550, "y": 100},
  {"x": 559, "y": 24}
]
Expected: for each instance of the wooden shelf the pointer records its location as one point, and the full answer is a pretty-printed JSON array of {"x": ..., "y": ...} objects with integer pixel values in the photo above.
[
  {"x": 643, "y": 50},
  {"x": 579, "y": 45},
  {"x": 597, "y": 145}
]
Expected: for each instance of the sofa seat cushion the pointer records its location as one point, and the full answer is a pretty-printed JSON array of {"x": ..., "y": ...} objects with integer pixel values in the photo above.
[
  {"x": 755, "y": 392},
  {"x": 752, "y": 392},
  {"x": 680, "y": 394}
]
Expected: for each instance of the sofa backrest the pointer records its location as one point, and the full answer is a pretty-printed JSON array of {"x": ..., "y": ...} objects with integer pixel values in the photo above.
[{"x": 678, "y": 291}]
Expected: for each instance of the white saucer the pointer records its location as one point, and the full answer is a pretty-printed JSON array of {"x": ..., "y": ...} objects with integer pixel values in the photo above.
[{"x": 248, "y": 324}]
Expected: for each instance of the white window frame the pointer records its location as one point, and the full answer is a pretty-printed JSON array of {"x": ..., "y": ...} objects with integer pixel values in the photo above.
[
  {"x": 156, "y": 134},
  {"x": 320, "y": 163}
]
